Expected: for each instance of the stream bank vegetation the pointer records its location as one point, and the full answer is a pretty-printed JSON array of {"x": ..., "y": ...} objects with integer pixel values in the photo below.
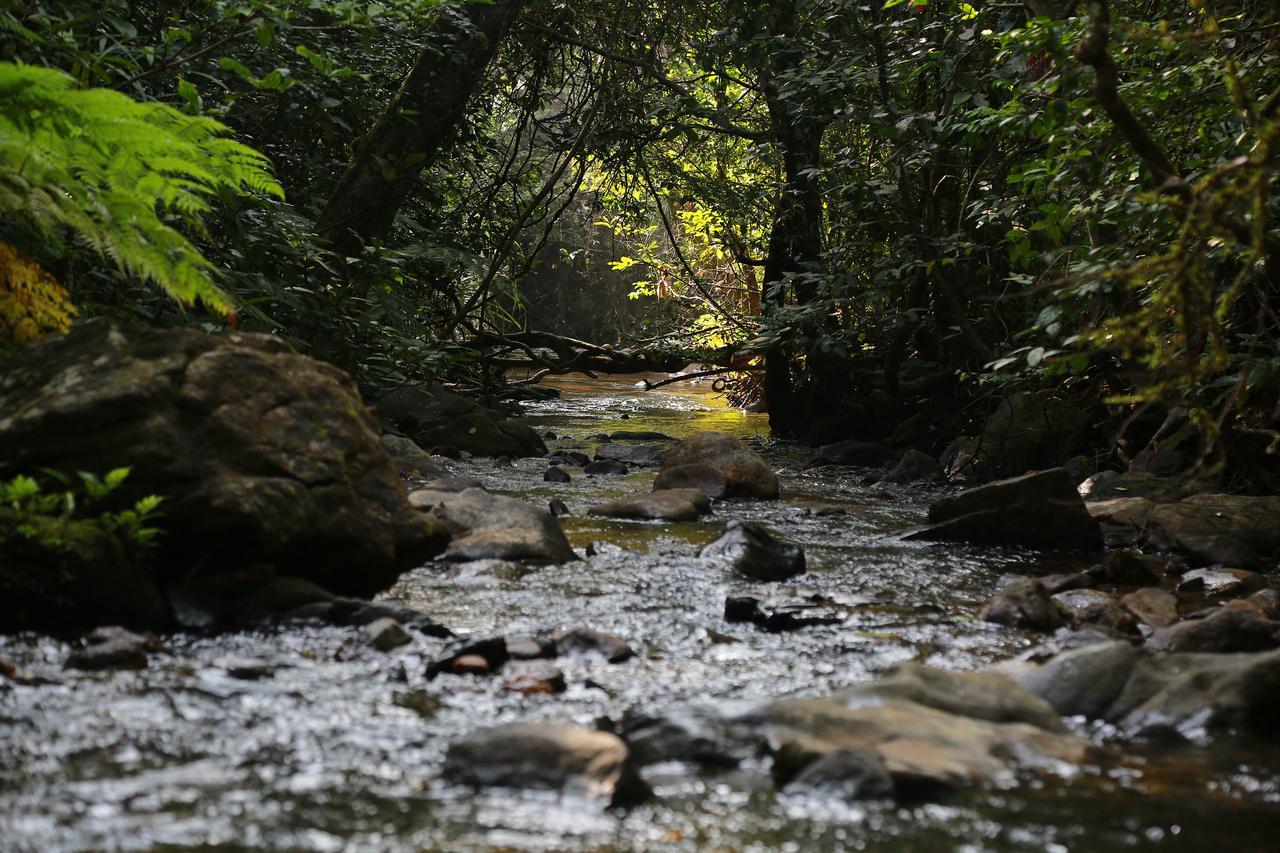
[{"x": 862, "y": 213}]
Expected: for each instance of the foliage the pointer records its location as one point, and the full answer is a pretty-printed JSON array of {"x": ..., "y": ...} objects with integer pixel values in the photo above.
[
  {"x": 61, "y": 519},
  {"x": 106, "y": 167},
  {"x": 32, "y": 302}
]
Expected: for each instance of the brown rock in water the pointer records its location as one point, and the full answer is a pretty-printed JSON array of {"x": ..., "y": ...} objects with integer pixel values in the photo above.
[
  {"x": 1040, "y": 509},
  {"x": 1235, "y": 530},
  {"x": 533, "y": 677},
  {"x": 595, "y": 765},
  {"x": 1025, "y": 603},
  {"x": 1092, "y": 607},
  {"x": 112, "y": 647},
  {"x": 719, "y": 465},
  {"x": 263, "y": 456},
  {"x": 485, "y": 526},
  {"x": 1234, "y": 627},
  {"x": 666, "y": 505},
  {"x": 470, "y": 665},
  {"x": 1154, "y": 606}
]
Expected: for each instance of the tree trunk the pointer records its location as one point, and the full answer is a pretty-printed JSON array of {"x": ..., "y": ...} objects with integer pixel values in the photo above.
[{"x": 415, "y": 127}]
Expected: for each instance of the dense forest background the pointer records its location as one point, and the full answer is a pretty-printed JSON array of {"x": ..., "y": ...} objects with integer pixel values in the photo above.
[{"x": 881, "y": 219}]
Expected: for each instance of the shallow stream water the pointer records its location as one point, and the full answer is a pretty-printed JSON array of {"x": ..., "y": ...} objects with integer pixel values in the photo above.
[{"x": 341, "y": 748}]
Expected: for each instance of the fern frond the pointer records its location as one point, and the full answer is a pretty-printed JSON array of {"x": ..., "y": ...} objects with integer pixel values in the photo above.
[
  {"x": 32, "y": 302},
  {"x": 108, "y": 168}
]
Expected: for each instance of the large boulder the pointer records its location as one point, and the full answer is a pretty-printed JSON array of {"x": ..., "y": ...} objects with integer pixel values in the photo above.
[
  {"x": 432, "y": 417},
  {"x": 1040, "y": 509},
  {"x": 1230, "y": 529},
  {"x": 590, "y": 764},
  {"x": 485, "y": 526},
  {"x": 1030, "y": 431},
  {"x": 718, "y": 464},
  {"x": 264, "y": 458}
]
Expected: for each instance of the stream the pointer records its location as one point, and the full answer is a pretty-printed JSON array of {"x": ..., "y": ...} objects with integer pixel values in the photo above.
[{"x": 340, "y": 747}]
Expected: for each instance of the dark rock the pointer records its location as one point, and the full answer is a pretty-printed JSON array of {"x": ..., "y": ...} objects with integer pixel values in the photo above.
[
  {"x": 557, "y": 508},
  {"x": 914, "y": 467},
  {"x": 1222, "y": 583},
  {"x": 588, "y": 641},
  {"x": 570, "y": 458},
  {"x": 778, "y": 617},
  {"x": 353, "y": 611},
  {"x": 600, "y": 436},
  {"x": 753, "y": 551},
  {"x": 1085, "y": 681},
  {"x": 641, "y": 455},
  {"x": 847, "y": 774},
  {"x": 433, "y": 416},
  {"x": 249, "y": 669},
  {"x": 445, "y": 451},
  {"x": 492, "y": 651},
  {"x": 1108, "y": 485},
  {"x": 112, "y": 647},
  {"x": 409, "y": 458},
  {"x": 556, "y": 474},
  {"x": 549, "y": 435},
  {"x": 910, "y": 430},
  {"x": 668, "y": 505},
  {"x": 1267, "y": 601},
  {"x": 386, "y": 634},
  {"x": 718, "y": 464},
  {"x": 860, "y": 454},
  {"x": 1153, "y": 606},
  {"x": 1031, "y": 431},
  {"x": 639, "y": 435},
  {"x": 533, "y": 677},
  {"x": 493, "y": 527},
  {"x": 1235, "y": 627},
  {"x": 503, "y": 462},
  {"x": 528, "y": 394},
  {"x": 1235, "y": 530},
  {"x": 1040, "y": 510},
  {"x": 591, "y": 764},
  {"x": 1091, "y": 607},
  {"x": 1065, "y": 583},
  {"x": 1026, "y": 604},
  {"x": 1132, "y": 568},
  {"x": 263, "y": 457},
  {"x": 605, "y": 468},
  {"x": 281, "y": 595}
]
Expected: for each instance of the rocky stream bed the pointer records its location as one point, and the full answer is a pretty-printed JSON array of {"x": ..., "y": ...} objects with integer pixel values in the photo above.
[{"x": 306, "y": 735}]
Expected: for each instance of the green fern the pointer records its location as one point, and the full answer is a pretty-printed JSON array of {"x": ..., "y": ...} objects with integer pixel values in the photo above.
[{"x": 109, "y": 167}]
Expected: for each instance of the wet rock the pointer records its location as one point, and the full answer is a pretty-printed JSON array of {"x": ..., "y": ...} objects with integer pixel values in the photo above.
[
  {"x": 433, "y": 416},
  {"x": 569, "y": 458},
  {"x": 600, "y": 436},
  {"x": 859, "y": 454},
  {"x": 503, "y": 462},
  {"x": 354, "y": 611},
  {"x": 779, "y": 617},
  {"x": 1031, "y": 431},
  {"x": 1055, "y": 584},
  {"x": 978, "y": 695},
  {"x": 263, "y": 456},
  {"x": 667, "y": 505},
  {"x": 453, "y": 484},
  {"x": 1132, "y": 568},
  {"x": 248, "y": 669},
  {"x": 846, "y": 774},
  {"x": 591, "y": 764},
  {"x": 470, "y": 665},
  {"x": 486, "y": 526},
  {"x": 640, "y": 455},
  {"x": 1235, "y": 627},
  {"x": 533, "y": 677},
  {"x": 1235, "y": 530},
  {"x": 386, "y": 634},
  {"x": 1025, "y": 603},
  {"x": 446, "y": 451},
  {"x": 588, "y": 641},
  {"x": 639, "y": 435},
  {"x": 491, "y": 650},
  {"x": 112, "y": 647},
  {"x": 1085, "y": 681},
  {"x": 409, "y": 458},
  {"x": 1153, "y": 606},
  {"x": 1224, "y": 582},
  {"x": 557, "y": 508},
  {"x": 1040, "y": 509},
  {"x": 1091, "y": 607},
  {"x": 556, "y": 474},
  {"x": 528, "y": 648},
  {"x": 528, "y": 394},
  {"x": 1267, "y": 601},
  {"x": 718, "y": 464},
  {"x": 914, "y": 467},
  {"x": 605, "y": 468},
  {"x": 755, "y": 552},
  {"x": 1147, "y": 693}
]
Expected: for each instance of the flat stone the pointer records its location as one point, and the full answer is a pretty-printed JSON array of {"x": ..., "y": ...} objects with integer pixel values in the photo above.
[
  {"x": 666, "y": 505},
  {"x": 1153, "y": 606}
]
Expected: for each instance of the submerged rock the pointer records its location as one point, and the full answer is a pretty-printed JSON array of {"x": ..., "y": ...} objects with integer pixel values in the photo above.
[
  {"x": 755, "y": 552},
  {"x": 263, "y": 457},
  {"x": 777, "y": 617},
  {"x": 666, "y": 505},
  {"x": 592, "y": 764},
  {"x": 433, "y": 416},
  {"x": 556, "y": 474},
  {"x": 718, "y": 464},
  {"x": 485, "y": 526},
  {"x": 1040, "y": 509}
]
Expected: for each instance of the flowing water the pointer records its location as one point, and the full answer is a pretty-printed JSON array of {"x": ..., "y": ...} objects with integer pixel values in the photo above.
[{"x": 341, "y": 747}]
